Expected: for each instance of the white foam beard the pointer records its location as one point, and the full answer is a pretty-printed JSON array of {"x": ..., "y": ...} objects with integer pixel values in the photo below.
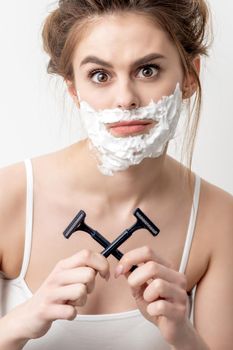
[{"x": 119, "y": 153}]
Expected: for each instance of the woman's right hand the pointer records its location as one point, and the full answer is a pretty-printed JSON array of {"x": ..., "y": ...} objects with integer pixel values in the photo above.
[{"x": 67, "y": 286}]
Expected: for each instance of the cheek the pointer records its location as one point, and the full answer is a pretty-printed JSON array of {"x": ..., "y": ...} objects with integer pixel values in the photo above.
[
  {"x": 98, "y": 102},
  {"x": 173, "y": 76},
  {"x": 165, "y": 89},
  {"x": 96, "y": 97}
]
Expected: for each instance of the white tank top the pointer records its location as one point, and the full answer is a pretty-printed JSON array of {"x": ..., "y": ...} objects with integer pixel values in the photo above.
[{"x": 124, "y": 330}]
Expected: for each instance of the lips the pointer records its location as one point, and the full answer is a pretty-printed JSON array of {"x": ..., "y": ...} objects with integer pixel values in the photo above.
[
  {"x": 129, "y": 123},
  {"x": 126, "y": 128}
]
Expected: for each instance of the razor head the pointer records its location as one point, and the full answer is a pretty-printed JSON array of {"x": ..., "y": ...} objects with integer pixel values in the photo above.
[
  {"x": 75, "y": 224},
  {"x": 145, "y": 222}
]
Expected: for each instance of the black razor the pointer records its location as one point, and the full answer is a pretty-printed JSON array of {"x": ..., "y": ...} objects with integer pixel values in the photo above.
[
  {"x": 78, "y": 224},
  {"x": 111, "y": 248},
  {"x": 142, "y": 222}
]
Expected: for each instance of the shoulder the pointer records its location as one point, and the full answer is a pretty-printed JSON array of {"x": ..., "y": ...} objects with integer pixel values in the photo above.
[
  {"x": 12, "y": 212},
  {"x": 217, "y": 215},
  {"x": 218, "y": 201},
  {"x": 12, "y": 188}
]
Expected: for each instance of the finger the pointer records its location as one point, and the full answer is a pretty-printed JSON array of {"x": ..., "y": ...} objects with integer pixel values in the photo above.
[
  {"x": 140, "y": 255},
  {"x": 86, "y": 257},
  {"x": 78, "y": 302},
  {"x": 60, "y": 312},
  {"x": 166, "y": 290},
  {"x": 167, "y": 309},
  {"x": 69, "y": 293},
  {"x": 152, "y": 270},
  {"x": 84, "y": 275}
]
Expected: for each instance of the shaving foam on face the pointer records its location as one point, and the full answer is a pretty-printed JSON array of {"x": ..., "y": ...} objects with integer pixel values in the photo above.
[{"x": 119, "y": 153}]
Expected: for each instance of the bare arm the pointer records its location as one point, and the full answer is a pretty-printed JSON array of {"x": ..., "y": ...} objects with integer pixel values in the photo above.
[
  {"x": 12, "y": 192},
  {"x": 213, "y": 308}
]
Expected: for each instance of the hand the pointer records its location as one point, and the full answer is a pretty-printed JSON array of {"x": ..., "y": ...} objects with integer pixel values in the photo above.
[
  {"x": 159, "y": 291},
  {"x": 67, "y": 286}
]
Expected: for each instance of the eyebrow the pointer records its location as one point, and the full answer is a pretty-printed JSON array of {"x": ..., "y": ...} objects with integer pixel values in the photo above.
[{"x": 142, "y": 60}]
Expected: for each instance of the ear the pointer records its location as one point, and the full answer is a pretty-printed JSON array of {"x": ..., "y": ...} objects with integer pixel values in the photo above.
[
  {"x": 190, "y": 84},
  {"x": 72, "y": 91}
]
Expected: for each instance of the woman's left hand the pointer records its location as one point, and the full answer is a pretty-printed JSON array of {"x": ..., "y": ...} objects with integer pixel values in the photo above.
[{"x": 159, "y": 291}]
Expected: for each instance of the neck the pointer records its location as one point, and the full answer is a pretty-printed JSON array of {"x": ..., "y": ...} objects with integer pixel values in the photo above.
[{"x": 130, "y": 187}]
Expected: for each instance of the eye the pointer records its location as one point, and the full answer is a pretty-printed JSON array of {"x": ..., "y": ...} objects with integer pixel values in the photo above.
[
  {"x": 149, "y": 71},
  {"x": 101, "y": 76}
]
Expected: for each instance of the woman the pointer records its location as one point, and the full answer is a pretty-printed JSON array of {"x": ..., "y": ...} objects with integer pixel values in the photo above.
[{"x": 129, "y": 66}]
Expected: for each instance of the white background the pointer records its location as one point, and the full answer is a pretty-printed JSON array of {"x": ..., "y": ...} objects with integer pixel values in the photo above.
[{"x": 37, "y": 115}]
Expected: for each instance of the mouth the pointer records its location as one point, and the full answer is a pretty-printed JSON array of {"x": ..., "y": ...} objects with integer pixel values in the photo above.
[{"x": 130, "y": 127}]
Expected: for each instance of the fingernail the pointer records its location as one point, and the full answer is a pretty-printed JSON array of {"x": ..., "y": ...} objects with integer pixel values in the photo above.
[{"x": 118, "y": 270}]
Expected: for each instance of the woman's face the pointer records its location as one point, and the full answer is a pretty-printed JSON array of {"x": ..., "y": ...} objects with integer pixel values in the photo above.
[{"x": 124, "y": 61}]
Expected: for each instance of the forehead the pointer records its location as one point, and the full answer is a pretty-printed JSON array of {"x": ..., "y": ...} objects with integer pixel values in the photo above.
[{"x": 123, "y": 36}]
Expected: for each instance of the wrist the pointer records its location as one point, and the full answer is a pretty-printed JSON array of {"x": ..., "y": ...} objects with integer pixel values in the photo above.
[
  {"x": 11, "y": 336},
  {"x": 190, "y": 339},
  {"x": 11, "y": 343}
]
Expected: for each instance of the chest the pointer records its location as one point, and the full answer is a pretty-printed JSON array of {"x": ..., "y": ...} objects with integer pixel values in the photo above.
[{"x": 115, "y": 295}]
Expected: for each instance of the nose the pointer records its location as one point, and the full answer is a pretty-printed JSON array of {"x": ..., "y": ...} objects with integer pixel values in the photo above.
[{"x": 126, "y": 96}]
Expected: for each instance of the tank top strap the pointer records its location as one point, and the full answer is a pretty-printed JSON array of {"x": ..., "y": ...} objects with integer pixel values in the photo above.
[
  {"x": 29, "y": 217},
  {"x": 191, "y": 226}
]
